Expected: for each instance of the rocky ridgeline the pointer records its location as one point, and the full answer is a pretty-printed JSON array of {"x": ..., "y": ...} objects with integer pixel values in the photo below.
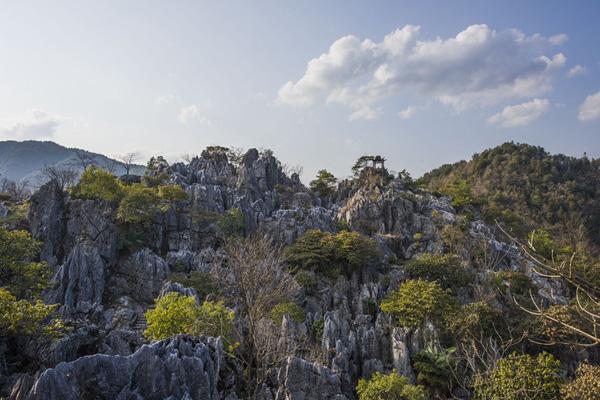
[{"x": 103, "y": 291}]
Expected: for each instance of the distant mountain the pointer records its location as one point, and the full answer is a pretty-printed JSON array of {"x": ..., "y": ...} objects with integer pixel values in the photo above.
[{"x": 25, "y": 160}]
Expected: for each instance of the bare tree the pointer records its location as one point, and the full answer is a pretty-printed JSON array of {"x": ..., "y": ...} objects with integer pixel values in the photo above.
[
  {"x": 19, "y": 191},
  {"x": 65, "y": 176},
  {"x": 258, "y": 282},
  {"x": 128, "y": 160},
  {"x": 586, "y": 325},
  {"x": 83, "y": 159}
]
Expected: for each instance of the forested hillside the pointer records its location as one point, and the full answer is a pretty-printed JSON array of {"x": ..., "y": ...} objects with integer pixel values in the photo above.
[{"x": 527, "y": 188}]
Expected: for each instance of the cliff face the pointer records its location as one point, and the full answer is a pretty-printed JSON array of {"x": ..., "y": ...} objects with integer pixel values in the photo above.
[{"x": 103, "y": 290}]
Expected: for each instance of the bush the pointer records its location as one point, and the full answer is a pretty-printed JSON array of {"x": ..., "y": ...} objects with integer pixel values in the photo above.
[
  {"x": 202, "y": 282},
  {"x": 307, "y": 281},
  {"x": 417, "y": 301},
  {"x": 434, "y": 370},
  {"x": 460, "y": 191},
  {"x": 326, "y": 251},
  {"x": 390, "y": 386},
  {"x": 140, "y": 205},
  {"x": 231, "y": 223},
  {"x": 585, "y": 386},
  {"x": 96, "y": 183},
  {"x": 175, "y": 314},
  {"x": 324, "y": 183},
  {"x": 20, "y": 318},
  {"x": 172, "y": 193},
  {"x": 291, "y": 309},
  {"x": 515, "y": 281},
  {"x": 476, "y": 320},
  {"x": 519, "y": 377},
  {"x": 447, "y": 270}
]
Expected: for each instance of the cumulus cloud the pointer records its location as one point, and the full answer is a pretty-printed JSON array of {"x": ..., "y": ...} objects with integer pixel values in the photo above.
[
  {"x": 193, "y": 114},
  {"x": 590, "y": 108},
  {"x": 577, "y": 70},
  {"x": 520, "y": 114},
  {"x": 35, "y": 124},
  {"x": 407, "y": 113},
  {"x": 477, "y": 66}
]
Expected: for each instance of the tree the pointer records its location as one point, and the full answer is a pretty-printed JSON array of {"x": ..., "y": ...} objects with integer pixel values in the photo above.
[
  {"x": 324, "y": 183},
  {"x": 157, "y": 172},
  {"x": 128, "y": 160},
  {"x": 19, "y": 273},
  {"x": 446, "y": 269},
  {"x": 392, "y": 386},
  {"x": 434, "y": 370},
  {"x": 175, "y": 314},
  {"x": 27, "y": 318},
  {"x": 519, "y": 377},
  {"x": 291, "y": 309},
  {"x": 257, "y": 281},
  {"x": 96, "y": 183},
  {"x": 83, "y": 159},
  {"x": 417, "y": 301},
  {"x": 140, "y": 205},
  {"x": 231, "y": 223},
  {"x": 64, "y": 176}
]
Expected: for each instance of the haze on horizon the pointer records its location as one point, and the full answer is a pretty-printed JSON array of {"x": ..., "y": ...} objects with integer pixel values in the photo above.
[{"x": 319, "y": 83}]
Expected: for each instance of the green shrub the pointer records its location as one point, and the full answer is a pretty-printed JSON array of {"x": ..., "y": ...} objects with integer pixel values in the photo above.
[
  {"x": 324, "y": 183},
  {"x": 172, "y": 193},
  {"x": 96, "y": 183},
  {"x": 460, "y": 191},
  {"x": 175, "y": 314},
  {"x": 231, "y": 223},
  {"x": 140, "y": 205},
  {"x": 476, "y": 320},
  {"x": 325, "y": 251},
  {"x": 202, "y": 282},
  {"x": 392, "y": 386},
  {"x": 291, "y": 309},
  {"x": 585, "y": 386},
  {"x": 317, "y": 329},
  {"x": 518, "y": 377},
  {"x": 447, "y": 270},
  {"x": 514, "y": 281},
  {"x": 417, "y": 301},
  {"x": 307, "y": 281},
  {"x": 434, "y": 370},
  {"x": 33, "y": 318}
]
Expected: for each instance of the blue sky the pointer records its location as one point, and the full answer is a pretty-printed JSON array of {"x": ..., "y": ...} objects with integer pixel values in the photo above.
[{"x": 422, "y": 83}]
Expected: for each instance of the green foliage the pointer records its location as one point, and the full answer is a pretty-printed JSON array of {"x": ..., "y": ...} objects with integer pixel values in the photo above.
[
  {"x": 202, "y": 282},
  {"x": 417, "y": 301},
  {"x": 96, "y": 183},
  {"x": 475, "y": 320},
  {"x": 27, "y": 317},
  {"x": 460, "y": 191},
  {"x": 324, "y": 183},
  {"x": 140, "y": 205},
  {"x": 525, "y": 187},
  {"x": 446, "y": 269},
  {"x": 231, "y": 223},
  {"x": 434, "y": 369},
  {"x": 291, "y": 309},
  {"x": 317, "y": 329},
  {"x": 175, "y": 314},
  {"x": 585, "y": 386},
  {"x": 307, "y": 281},
  {"x": 518, "y": 377},
  {"x": 325, "y": 251},
  {"x": 172, "y": 193},
  {"x": 156, "y": 173},
  {"x": 18, "y": 272},
  {"x": 516, "y": 282},
  {"x": 392, "y": 386}
]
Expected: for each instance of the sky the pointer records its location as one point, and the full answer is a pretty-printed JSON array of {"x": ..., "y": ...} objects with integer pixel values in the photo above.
[{"x": 321, "y": 83}]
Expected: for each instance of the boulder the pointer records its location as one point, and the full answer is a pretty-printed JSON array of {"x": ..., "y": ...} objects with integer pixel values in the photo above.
[{"x": 182, "y": 367}]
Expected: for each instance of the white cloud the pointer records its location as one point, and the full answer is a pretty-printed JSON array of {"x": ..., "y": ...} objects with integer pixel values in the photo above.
[
  {"x": 365, "y": 113},
  {"x": 164, "y": 99},
  {"x": 577, "y": 70},
  {"x": 193, "y": 114},
  {"x": 520, "y": 114},
  {"x": 407, "y": 113},
  {"x": 36, "y": 124},
  {"x": 590, "y": 108},
  {"x": 477, "y": 66}
]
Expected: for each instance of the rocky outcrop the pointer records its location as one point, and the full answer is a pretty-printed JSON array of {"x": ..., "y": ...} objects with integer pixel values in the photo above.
[
  {"x": 80, "y": 280},
  {"x": 301, "y": 380},
  {"x": 178, "y": 368},
  {"x": 141, "y": 276},
  {"x": 46, "y": 221}
]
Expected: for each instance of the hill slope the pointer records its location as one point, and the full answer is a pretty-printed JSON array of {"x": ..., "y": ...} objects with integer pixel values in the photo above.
[
  {"x": 527, "y": 187},
  {"x": 24, "y": 160}
]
